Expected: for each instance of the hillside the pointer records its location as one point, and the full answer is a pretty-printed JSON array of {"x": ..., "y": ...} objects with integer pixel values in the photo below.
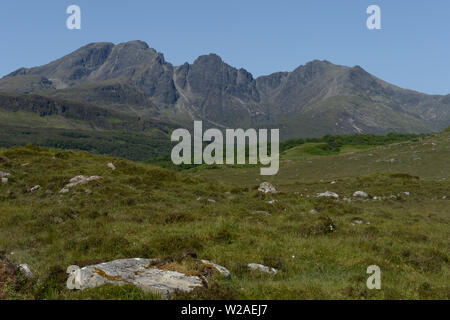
[
  {"x": 60, "y": 123},
  {"x": 320, "y": 246},
  {"x": 315, "y": 99}
]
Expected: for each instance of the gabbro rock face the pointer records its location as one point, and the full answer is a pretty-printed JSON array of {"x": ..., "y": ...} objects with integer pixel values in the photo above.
[
  {"x": 138, "y": 272},
  {"x": 267, "y": 187}
]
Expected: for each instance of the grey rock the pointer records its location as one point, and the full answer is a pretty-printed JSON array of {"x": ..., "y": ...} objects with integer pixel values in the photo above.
[
  {"x": 328, "y": 194},
  {"x": 111, "y": 166},
  {"x": 137, "y": 271},
  {"x": 267, "y": 187},
  {"x": 35, "y": 188},
  {"x": 265, "y": 213},
  {"x": 25, "y": 270},
  {"x": 262, "y": 268},
  {"x": 4, "y": 180},
  {"x": 360, "y": 194},
  {"x": 4, "y": 174},
  {"x": 222, "y": 270}
]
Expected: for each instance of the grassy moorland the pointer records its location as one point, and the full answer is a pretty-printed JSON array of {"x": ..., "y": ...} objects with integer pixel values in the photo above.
[{"x": 139, "y": 210}]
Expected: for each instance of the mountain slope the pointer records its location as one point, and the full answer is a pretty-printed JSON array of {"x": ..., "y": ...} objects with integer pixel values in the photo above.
[{"x": 313, "y": 100}]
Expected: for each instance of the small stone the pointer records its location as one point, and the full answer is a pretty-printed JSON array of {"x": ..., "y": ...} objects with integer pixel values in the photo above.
[
  {"x": 264, "y": 213},
  {"x": 4, "y": 174},
  {"x": 33, "y": 189},
  {"x": 212, "y": 201},
  {"x": 64, "y": 190},
  {"x": 360, "y": 194},
  {"x": 25, "y": 270},
  {"x": 328, "y": 194},
  {"x": 267, "y": 187},
  {"x": 313, "y": 211},
  {"x": 222, "y": 270},
  {"x": 111, "y": 166},
  {"x": 272, "y": 201},
  {"x": 4, "y": 180},
  {"x": 260, "y": 267}
]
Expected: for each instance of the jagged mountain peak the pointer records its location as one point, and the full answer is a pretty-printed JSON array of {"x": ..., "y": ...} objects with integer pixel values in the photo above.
[{"x": 317, "y": 97}]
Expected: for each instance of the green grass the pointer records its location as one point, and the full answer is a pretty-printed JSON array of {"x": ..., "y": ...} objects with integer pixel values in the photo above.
[{"x": 140, "y": 210}]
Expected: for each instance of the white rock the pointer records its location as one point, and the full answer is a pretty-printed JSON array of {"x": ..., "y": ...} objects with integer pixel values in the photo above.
[
  {"x": 64, "y": 190},
  {"x": 212, "y": 200},
  {"x": 222, "y": 270},
  {"x": 25, "y": 270},
  {"x": 406, "y": 193},
  {"x": 328, "y": 194},
  {"x": 260, "y": 267},
  {"x": 360, "y": 194},
  {"x": 138, "y": 272},
  {"x": 313, "y": 211},
  {"x": 267, "y": 187},
  {"x": 33, "y": 189},
  {"x": 111, "y": 166},
  {"x": 4, "y": 180}
]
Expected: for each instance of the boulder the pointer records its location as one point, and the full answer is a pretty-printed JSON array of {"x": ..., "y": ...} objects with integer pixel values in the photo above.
[
  {"x": 328, "y": 194},
  {"x": 267, "y": 187},
  {"x": 260, "y": 267},
  {"x": 222, "y": 270},
  {"x": 360, "y": 194},
  {"x": 137, "y": 271}
]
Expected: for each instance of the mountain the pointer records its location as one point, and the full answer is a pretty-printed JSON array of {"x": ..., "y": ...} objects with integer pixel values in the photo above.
[{"x": 315, "y": 99}]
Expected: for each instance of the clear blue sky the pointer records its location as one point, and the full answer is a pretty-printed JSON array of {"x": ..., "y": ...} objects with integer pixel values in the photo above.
[{"x": 412, "y": 50}]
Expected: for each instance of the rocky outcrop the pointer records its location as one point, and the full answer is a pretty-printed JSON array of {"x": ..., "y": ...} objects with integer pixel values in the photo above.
[{"x": 139, "y": 272}]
